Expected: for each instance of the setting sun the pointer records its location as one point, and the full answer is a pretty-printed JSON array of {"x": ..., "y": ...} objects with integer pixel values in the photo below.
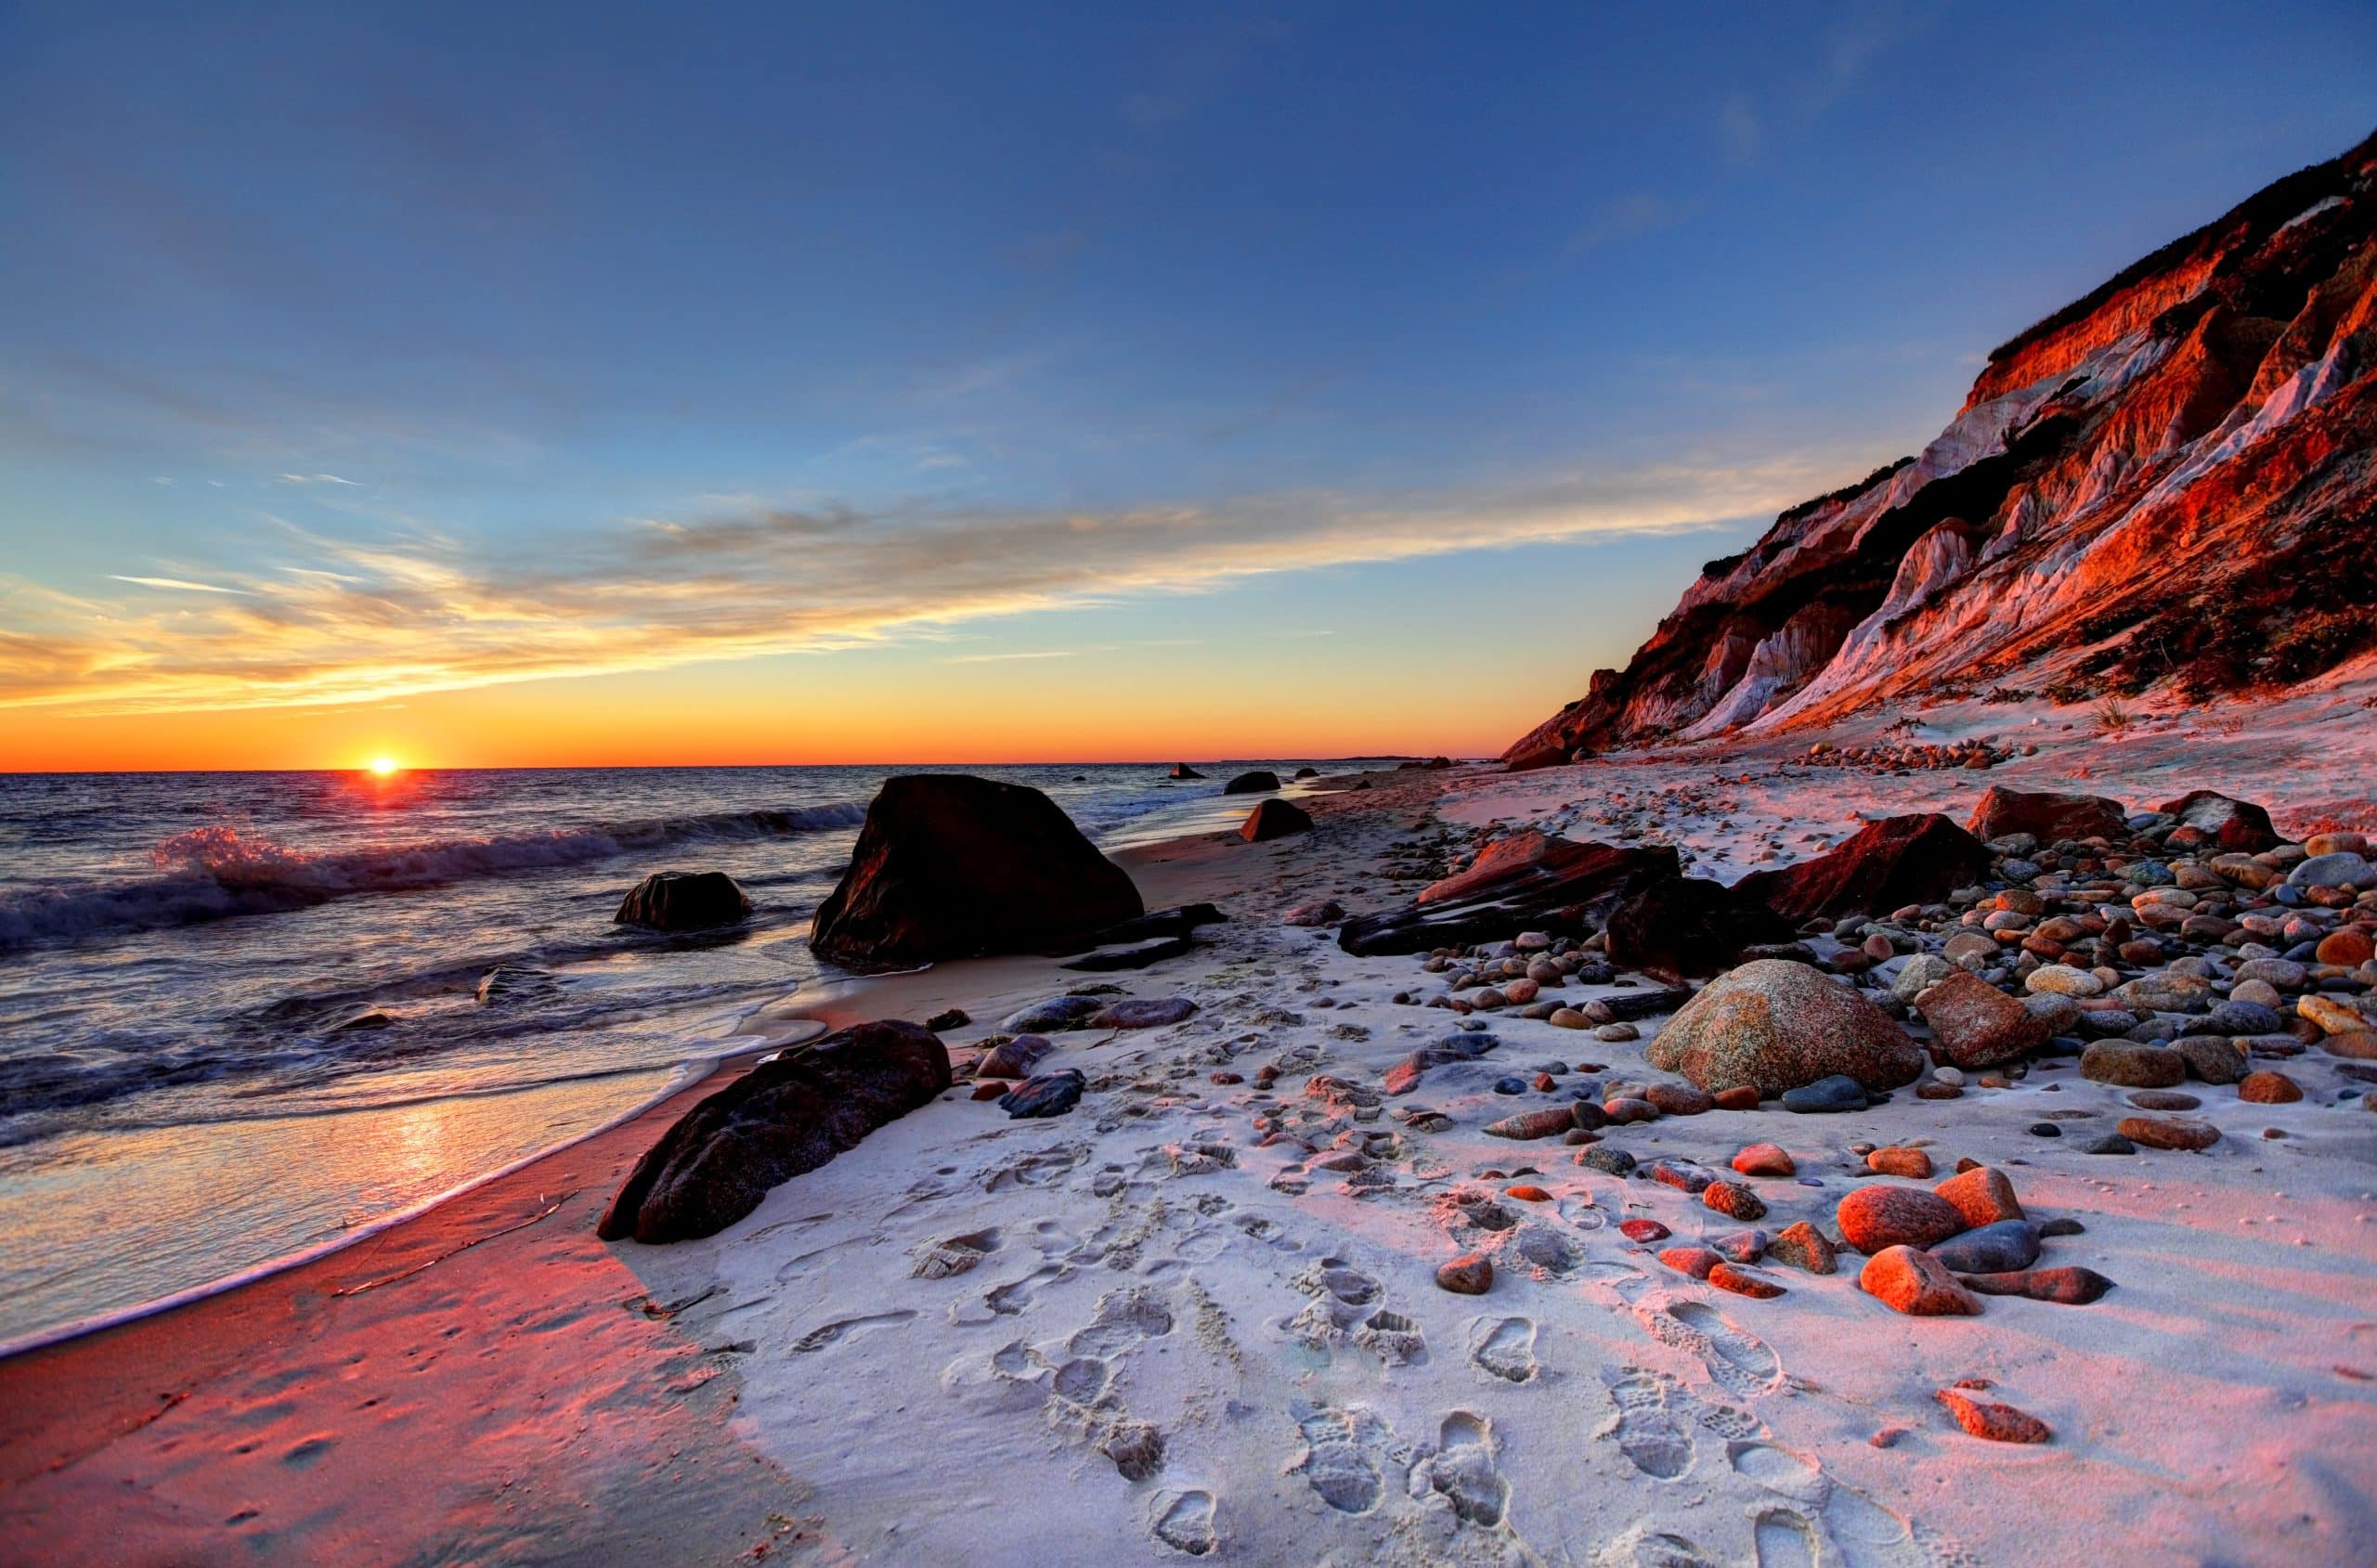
[{"x": 384, "y": 765}]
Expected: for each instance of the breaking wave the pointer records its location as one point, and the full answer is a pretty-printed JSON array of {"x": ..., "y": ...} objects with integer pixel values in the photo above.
[{"x": 216, "y": 873}]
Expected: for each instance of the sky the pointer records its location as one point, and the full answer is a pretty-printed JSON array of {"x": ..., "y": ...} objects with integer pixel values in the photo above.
[{"x": 587, "y": 384}]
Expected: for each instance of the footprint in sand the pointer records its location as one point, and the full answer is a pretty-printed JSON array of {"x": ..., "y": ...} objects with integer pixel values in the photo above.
[
  {"x": 1082, "y": 1379},
  {"x": 1185, "y": 1523},
  {"x": 1124, "y": 1319},
  {"x": 1341, "y": 1457},
  {"x": 1780, "y": 1470},
  {"x": 1742, "y": 1361},
  {"x": 1505, "y": 1348},
  {"x": 835, "y": 1333},
  {"x": 1784, "y": 1540},
  {"x": 1011, "y": 1298},
  {"x": 1463, "y": 1469},
  {"x": 1643, "y": 1547},
  {"x": 1653, "y": 1437},
  {"x": 1393, "y": 1337},
  {"x": 957, "y": 1255}
]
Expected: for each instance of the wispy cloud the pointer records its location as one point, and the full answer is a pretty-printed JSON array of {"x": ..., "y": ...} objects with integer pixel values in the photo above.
[
  {"x": 179, "y": 583},
  {"x": 317, "y": 479},
  {"x": 346, "y": 621}
]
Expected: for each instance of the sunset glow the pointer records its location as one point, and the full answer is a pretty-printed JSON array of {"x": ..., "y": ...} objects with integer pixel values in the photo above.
[{"x": 384, "y": 765}]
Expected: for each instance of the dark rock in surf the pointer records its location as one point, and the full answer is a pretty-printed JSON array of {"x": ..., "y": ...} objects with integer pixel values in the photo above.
[
  {"x": 683, "y": 901},
  {"x": 1182, "y": 770},
  {"x": 1255, "y": 783},
  {"x": 783, "y": 1118}
]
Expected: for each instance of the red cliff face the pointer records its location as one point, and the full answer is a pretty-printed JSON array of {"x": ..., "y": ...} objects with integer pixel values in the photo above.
[{"x": 2169, "y": 482}]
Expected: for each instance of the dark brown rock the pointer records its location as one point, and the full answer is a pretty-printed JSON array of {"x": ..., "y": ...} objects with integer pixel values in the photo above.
[
  {"x": 1732, "y": 1200},
  {"x": 1687, "y": 925},
  {"x": 2237, "y": 827},
  {"x": 2004, "y": 811},
  {"x": 2067, "y": 1287},
  {"x": 1802, "y": 1246},
  {"x": 952, "y": 866},
  {"x": 1744, "y": 1282},
  {"x": 1274, "y": 819},
  {"x": 2132, "y": 1065},
  {"x": 1529, "y": 879},
  {"x": 2169, "y": 1132},
  {"x": 1983, "y": 1196},
  {"x": 779, "y": 1120},
  {"x": 2269, "y": 1088},
  {"x": 1255, "y": 783},
  {"x": 1899, "y": 860}
]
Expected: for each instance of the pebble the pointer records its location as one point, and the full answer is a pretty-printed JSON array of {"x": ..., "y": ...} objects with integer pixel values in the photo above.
[
  {"x": 1910, "y": 1280},
  {"x": 2133, "y": 1066},
  {"x": 2044, "y": 1130},
  {"x": 1983, "y": 1195},
  {"x": 1909, "y": 1162},
  {"x": 2164, "y": 1099},
  {"x": 1549, "y": 1122},
  {"x": 2067, "y": 1287},
  {"x": 1698, "y": 1262},
  {"x": 1827, "y": 1096},
  {"x": 1051, "y": 1094},
  {"x": 1644, "y": 1231},
  {"x": 1802, "y": 1246},
  {"x": 1688, "y": 1178},
  {"x": 1679, "y": 1099},
  {"x": 1528, "y": 1193},
  {"x": 1614, "y": 1161},
  {"x": 1742, "y": 1096},
  {"x": 1764, "y": 1159},
  {"x": 1623, "y": 1112},
  {"x": 1874, "y": 1218},
  {"x": 1742, "y": 1246},
  {"x": 1568, "y": 1018},
  {"x": 1510, "y": 1085},
  {"x": 1151, "y": 1012},
  {"x": 1744, "y": 1282},
  {"x": 1732, "y": 1200},
  {"x": 1998, "y": 1423},
  {"x": 2112, "y": 1143},
  {"x": 1471, "y": 1273},
  {"x": 2212, "y": 1057},
  {"x": 2269, "y": 1088},
  {"x": 1617, "y": 1032},
  {"x": 2003, "y": 1248},
  {"x": 2169, "y": 1132}
]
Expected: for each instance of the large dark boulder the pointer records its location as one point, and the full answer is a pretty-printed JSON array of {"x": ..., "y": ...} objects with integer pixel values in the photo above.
[
  {"x": 952, "y": 866},
  {"x": 2049, "y": 816},
  {"x": 1182, "y": 770},
  {"x": 1254, "y": 782},
  {"x": 1528, "y": 879},
  {"x": 779, "y": 1120},
  {"x": 2237, "y": 827},
  {"x": 1688, "y": 926},
  {"x": 1884, "y": 865},
  {"x": 683, "y": 901},
  {"x": 1274, "y": 819}
]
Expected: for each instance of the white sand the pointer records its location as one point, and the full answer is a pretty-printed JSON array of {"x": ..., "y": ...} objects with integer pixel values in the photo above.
[{"x": 1141, "y": 1273}]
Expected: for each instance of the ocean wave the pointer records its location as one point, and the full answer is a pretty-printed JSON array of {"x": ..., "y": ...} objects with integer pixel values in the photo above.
[{"x": 216, "y": 873}]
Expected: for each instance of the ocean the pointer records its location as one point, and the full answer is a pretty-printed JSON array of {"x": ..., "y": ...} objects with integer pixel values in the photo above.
[{"x": 246, "y": 1017}]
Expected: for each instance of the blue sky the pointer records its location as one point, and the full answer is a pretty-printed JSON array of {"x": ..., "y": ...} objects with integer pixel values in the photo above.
[{"x": 776, "y": 351}]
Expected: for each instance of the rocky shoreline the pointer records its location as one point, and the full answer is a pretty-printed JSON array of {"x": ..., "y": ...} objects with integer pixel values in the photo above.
[{"x": 1270, "y": 1248}]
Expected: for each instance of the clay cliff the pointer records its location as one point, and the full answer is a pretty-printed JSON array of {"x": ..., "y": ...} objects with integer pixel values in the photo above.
[{"x": 2167, "y": 484}]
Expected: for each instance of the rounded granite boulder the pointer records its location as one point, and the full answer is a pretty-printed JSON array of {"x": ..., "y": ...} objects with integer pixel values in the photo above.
[{"x": 1776, "y": 1025}]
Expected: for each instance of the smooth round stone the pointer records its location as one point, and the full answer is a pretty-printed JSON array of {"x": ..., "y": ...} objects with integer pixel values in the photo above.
[
  {"x": 2062, "y": 979},
  {"x": 2164, "y": 1099},
  {"x": 1617, "y": 1034},
  {"x": 2269, "y": 1088},
  {"x": 2044, "y": 1130},
  {"x": 1510, "y": 1085},
  {"x": 1567, "y": 1017},
  {"x": 2169, "y": 1132},
  {"x": 1825, "y": 1096},
  {"x": 1994, "y": 1249},
  {"x": 2233, "y": 1016},
  {"x": 2133, "y": 1066},
  {"x": 1612, "y": 1162},
  {"x": 2112, "y": 1143},
  {"x": 2342, "y": 870}
]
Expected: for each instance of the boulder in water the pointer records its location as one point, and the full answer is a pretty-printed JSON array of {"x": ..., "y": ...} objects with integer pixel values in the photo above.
[
  {"x": 1255, "y": 783},
  {"x": 953, "y": 866},
  {"x": 683, "y": 901},
  {"x": 783, "y": 1118},
  {"x": 1182, "y": 770}
]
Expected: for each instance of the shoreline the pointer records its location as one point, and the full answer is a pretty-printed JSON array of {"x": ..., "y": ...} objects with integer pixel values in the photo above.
[{"x": 1183, "y": 1330}]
